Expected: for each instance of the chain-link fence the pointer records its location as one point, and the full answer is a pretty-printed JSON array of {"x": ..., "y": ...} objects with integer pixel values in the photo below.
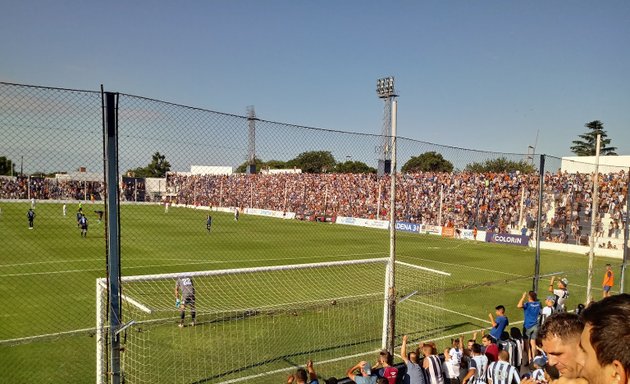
[{"x": 188, "y": 203}]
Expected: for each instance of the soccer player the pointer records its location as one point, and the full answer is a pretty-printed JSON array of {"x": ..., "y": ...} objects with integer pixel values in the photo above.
[
  {"x": 560, "y": 336},
  {"x": 609, "y": 281},
  {"x": 185, "y": 297},
  {"x": 499, "y": 323},
  {"x": 531, "y": 310},
  {"x": 605, "y": 341},
  {"x": 30, "y": 215},
  {"x": 79, "y": 214},
  {"x": 100, "y": 215},
  {"x": 209, "y": 223},
  {"x": 63, "y": 209},
  {"x": 236, "y": 213},
  {"x": 501, "y": 372},
  {"x": 83, "y": 222}
]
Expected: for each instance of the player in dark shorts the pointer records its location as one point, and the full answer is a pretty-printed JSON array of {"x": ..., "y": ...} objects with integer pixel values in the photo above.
[
  {"x": 79, "y": 214},
  {"x": 83, "y": 222},
  {"x": 185, "y": 297},
  {"x": 31, "y": 217},
  {"x": 209, "y": 223}
]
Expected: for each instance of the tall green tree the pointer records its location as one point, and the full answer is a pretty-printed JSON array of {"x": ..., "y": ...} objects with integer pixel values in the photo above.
[
  {"x": 354, "y": 167},
  {"x": 158, "y": 167},
  {"x": 314, "y": 162},
  {"x": 6, "y": 166},
  {"x": 587, "y": 144},
  {"x": 427, "y": 162},
  {"x": 500, "y": 165}
]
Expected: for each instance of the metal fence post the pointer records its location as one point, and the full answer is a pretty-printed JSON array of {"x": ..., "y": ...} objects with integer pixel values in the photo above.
[
  {"x": 541, "y": 186},
  {"x": 110, "y": 142},
  {"x": 625, "y": 238}
]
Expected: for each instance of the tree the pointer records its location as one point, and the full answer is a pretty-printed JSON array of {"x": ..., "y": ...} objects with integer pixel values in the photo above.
[
  {"x": 354, "y": 167},
  {"x": 427, "y": 162},
  {"x": 6, "y": 166},
  {"x": 158, "y": 167},
  {"x": 313, "y": 162},
  {"x": 500, "y": 165},
  {"x": 586, "y": 146}
]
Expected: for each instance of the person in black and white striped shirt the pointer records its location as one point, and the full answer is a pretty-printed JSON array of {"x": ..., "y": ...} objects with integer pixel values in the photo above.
[
  {"x": 478, "y": 365},
  {"x": 432, "y": 364},
  {"x": 501, "y": 372}
]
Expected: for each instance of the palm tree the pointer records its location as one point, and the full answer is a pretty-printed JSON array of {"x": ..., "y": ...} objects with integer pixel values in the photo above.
[{"x": 586, "y": 146}]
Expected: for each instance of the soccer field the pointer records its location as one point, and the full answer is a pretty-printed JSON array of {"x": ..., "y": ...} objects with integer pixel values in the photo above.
[{"x": 47, "y": 280}]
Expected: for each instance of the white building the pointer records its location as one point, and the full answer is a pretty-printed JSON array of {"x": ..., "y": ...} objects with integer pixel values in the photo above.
[{"x": 586, "y": 164}]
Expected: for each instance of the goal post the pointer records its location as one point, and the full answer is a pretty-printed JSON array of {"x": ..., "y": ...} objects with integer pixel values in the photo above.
[{"x": 260, "y": 322}]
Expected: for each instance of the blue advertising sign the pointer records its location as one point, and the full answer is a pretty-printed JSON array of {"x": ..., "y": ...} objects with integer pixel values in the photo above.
[
  {"x": 506, "y": 238},
  {"x": 407, "y": 227}
]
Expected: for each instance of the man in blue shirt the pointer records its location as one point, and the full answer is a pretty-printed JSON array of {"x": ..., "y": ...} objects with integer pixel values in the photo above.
[
  {"x": 531, "y": 310},
  {"x": 499, "y": 323}
]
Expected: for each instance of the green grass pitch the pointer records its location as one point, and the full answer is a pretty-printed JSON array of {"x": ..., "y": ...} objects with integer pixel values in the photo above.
[{"x": 47, "y": 275}]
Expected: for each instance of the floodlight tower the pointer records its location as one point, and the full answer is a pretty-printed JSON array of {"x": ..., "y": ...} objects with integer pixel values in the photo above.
[
  {"x": 385, "y": 90},
  {"x": 251, "y": 145}
]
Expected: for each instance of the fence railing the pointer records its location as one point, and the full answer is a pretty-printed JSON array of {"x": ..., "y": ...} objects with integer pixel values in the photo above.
[{"x": 179, "y": 164}]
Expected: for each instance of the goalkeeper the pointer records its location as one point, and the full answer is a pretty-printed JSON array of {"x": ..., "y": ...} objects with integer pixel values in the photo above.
[{"x": 185, "y": 297}]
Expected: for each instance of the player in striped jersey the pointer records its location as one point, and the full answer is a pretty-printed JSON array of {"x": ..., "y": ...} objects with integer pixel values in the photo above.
[
  {"x": 431, "y": 364},
  {"x": 501, "y": 372},
  {"x": 478, "y": 365}
]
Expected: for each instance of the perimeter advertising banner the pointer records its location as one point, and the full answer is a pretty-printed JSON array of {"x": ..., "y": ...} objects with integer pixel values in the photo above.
[
  {"x": 506, "y": 238},
  {"x": 408, "y": 227},
  {"x": 432, "y": 230}
]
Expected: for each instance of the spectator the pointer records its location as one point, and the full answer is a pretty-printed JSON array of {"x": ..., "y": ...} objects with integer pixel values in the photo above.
[
  {"x": 561, "y": 292},
  {"x": 301, "y": 376},
  {"x": 478, "y": 366},
  {"x": 364, "y": 374},
  {"x": 387, "y": 371},
  {"x": 560, "y": 336},
  {"x": 548, "y": 310},
  {"x": 501, "y": 372},
  {"x": 499, "y": 323},
  {"x": 491, "y": 350},
  {"x": 431, "y": 364},
  {"x": 531, "y": 310},
  {"x": 605, "y": 341},
  {"x": 415, "y": 374}
]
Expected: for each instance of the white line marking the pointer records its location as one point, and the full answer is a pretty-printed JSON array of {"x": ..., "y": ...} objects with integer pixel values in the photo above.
[
  {"x": 192, "y": 263},
  {"x": 468, "y": 267},
  {"x": 449, "y": 310}
]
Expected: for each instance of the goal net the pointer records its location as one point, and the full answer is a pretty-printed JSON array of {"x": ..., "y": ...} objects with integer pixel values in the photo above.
[{"x": 260, "y": 323}]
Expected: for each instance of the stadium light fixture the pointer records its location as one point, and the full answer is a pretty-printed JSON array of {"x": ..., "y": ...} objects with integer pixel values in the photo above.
[{"x": 385, "y": 87}]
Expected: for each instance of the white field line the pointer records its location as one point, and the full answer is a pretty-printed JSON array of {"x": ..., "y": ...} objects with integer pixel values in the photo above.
[
  {"x": 47, "y": 262},
  {"x": 450, "y": 311},
  {"x": 469, "y": 267},
  {"x": 30, "y": 338},
  {"x": 195, "y": 262}
]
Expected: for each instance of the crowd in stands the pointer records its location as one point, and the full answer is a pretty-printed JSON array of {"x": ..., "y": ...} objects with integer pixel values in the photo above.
[
  {"x": 42, "y": 188},
  {"x": 591, "y": 345},
  {"x": 494, "y": 201}
]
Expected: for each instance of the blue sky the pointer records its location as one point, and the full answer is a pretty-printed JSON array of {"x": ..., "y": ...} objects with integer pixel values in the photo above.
[{"x": 475, "y": 74}]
